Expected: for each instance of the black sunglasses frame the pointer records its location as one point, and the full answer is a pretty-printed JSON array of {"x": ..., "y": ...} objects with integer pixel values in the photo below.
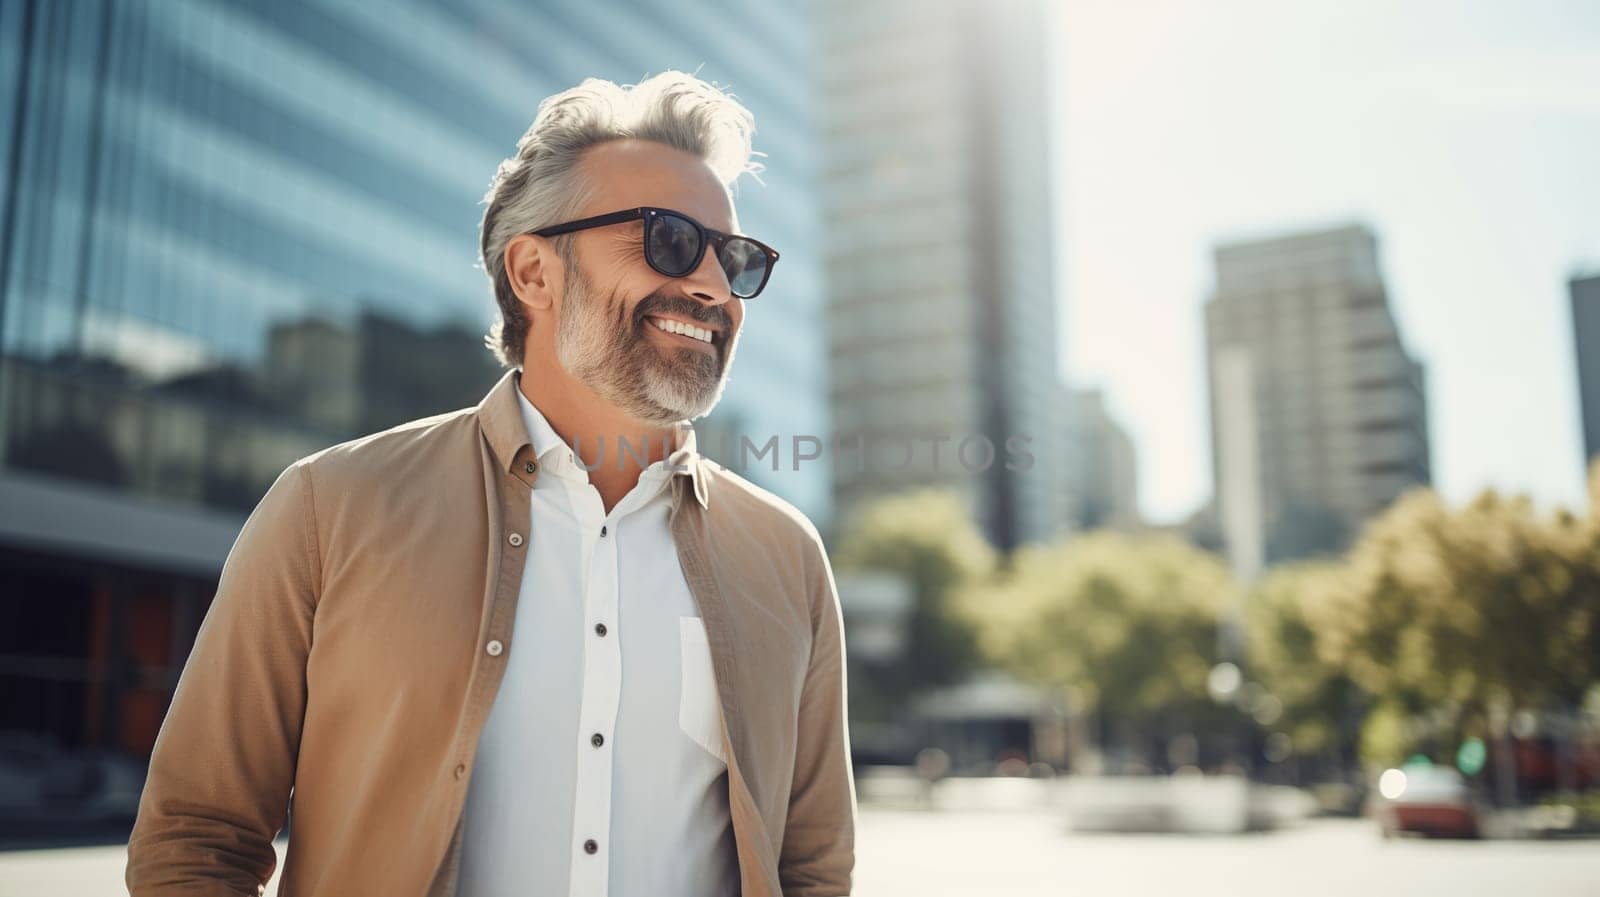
[{"x": 708, "y": 237}]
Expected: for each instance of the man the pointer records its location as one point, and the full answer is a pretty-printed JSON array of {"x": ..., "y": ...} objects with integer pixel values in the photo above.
[{"x": 538, "y": 646}]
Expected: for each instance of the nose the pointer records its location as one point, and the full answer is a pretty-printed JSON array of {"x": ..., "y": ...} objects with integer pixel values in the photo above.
[{"x": 708, "y": 282}]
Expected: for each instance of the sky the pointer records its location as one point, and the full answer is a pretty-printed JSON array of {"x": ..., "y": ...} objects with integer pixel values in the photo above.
[{"x": 1466, "y": 134}]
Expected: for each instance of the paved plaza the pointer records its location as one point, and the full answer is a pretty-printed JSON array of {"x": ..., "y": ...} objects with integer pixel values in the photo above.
[{"x": 1028, "y": 853}]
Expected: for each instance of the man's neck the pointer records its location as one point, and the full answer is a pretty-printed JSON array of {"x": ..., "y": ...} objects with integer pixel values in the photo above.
[{"x": 608, "y": 442}]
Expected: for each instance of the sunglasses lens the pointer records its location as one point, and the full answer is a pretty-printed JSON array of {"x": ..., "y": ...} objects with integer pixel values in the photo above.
[
  {"x": 745, "y": 264},
  {"x": 673, "y": 245}
]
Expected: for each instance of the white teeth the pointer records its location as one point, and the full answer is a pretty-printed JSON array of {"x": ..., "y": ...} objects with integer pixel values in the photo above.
[{"x": 699, "y": 333}]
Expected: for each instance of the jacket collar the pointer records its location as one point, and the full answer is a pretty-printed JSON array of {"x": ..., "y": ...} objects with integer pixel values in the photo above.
[{"x": 500, "y": 416}]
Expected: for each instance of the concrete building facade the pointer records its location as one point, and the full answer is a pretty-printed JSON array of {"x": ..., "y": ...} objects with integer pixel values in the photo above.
[
  {"x": 1104, "y": 482},
  {"x": 940, "y": 246},
  {"x": 1586, "y": 334},
  {"x": 1337, "y": 410}
]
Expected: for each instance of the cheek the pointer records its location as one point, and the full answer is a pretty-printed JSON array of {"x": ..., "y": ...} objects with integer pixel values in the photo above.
[
  {"x": 625, "y": 298},
  {"x": 635, "y": 275}
]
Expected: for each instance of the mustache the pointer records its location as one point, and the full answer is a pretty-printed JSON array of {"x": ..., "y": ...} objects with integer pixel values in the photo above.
[{"x": 658, "y": 304}]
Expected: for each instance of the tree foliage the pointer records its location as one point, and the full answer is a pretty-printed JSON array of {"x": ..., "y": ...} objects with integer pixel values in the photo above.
[
  {"x": 1127, "y": 623},
  {"x": 1286, "y": 618},
  {"x": 1440, "y": 614},
  {"x": 1436, "y": 615},
  {"x": 928, "y": 538},
  {"x": 1461, "y": 607}
]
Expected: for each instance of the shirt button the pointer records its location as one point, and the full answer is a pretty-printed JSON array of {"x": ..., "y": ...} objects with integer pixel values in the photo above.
[
  {"x": 514, "y": 538},
  {"x": 602, "y": 532},
  {"x": 597, "y": 740},
  {"x": 531, "y": 467},
  {"x": 591, "y": 846},
  {"x": 600, "y": 629},
  {"x": 494, "y": 647},
  {"x": 461, "y": 770}
]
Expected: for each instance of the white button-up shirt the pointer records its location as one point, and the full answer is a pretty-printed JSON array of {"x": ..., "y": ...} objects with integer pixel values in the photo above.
[{"x": 600, "y": 770}]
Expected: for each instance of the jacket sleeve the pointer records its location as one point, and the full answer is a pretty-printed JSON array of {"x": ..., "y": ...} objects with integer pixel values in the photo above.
[
  {"x": 224, "y": 759},
  {"x": 818, "y": 856}
]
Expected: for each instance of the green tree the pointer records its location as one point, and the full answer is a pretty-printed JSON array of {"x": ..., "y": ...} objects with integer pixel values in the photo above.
[
  {"x": 928, "y": 538},
  {"x": 1126, "y": 623},
  {"x": 1287, "y": 617},
  {"x": 1447, "y": 612}
]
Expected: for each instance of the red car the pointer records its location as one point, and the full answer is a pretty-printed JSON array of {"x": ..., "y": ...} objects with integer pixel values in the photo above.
[{"x": 1428, "y": 800}]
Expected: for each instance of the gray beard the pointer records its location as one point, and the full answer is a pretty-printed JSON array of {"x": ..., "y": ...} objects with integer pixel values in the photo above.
[{"x": 612, "y": 355}]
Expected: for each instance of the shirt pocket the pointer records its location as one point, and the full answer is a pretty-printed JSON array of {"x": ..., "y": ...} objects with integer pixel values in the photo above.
[{"x": 699, "y": 707}]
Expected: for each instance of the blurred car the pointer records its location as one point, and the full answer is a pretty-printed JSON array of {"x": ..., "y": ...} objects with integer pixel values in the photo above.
[{"x": 1434, "y": 801}]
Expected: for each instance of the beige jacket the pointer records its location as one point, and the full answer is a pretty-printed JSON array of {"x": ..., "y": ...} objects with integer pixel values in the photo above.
[{"x": 345, "y": 657}]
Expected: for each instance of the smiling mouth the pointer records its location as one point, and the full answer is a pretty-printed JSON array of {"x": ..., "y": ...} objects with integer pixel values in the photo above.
[{"x": 701, "y": 335}]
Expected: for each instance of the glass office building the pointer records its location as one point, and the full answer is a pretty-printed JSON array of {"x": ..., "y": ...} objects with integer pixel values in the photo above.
[{"x": 232, "y": 234}]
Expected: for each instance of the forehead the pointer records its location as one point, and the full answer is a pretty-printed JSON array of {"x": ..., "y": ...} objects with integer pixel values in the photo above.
[{"x": 629, "y": 173}]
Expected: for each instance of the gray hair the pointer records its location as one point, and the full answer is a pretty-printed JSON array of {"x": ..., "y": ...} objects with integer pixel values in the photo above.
[{"x": 541, "y": 186}]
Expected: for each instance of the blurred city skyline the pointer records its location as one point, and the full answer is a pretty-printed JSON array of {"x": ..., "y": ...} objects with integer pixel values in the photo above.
[{"x": 1459, "y": 133}]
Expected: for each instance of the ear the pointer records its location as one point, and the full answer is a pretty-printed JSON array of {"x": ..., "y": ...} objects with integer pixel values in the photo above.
[{"x": 534, "y": 269}]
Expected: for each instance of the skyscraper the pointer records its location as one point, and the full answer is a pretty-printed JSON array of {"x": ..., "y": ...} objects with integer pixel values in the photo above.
[
  {"x": 1104, "y": 476},
  {"x": 1313, "y": 394},
  {"x": 232, "y": 234},
  {"x": 940, "y": 242},
  {"x": 1586, "y": 333}
]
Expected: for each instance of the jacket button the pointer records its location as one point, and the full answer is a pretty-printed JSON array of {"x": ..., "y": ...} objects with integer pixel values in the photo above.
[
  {"x": 461, "y": 770},
  {"x": 514, "y": 538},
  {"x": 597, "y": 740},
  {"x": 494, "y": 648},
  {"x": 591, "y": 846}
]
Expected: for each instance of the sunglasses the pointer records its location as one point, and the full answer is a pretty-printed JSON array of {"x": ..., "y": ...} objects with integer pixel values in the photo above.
[{"x": 674, "y": 243}]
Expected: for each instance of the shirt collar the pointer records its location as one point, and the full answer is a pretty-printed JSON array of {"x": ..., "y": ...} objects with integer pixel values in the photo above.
[
  {"x": 503, "y": 416},
  {"x": 545, "y": 439}
]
